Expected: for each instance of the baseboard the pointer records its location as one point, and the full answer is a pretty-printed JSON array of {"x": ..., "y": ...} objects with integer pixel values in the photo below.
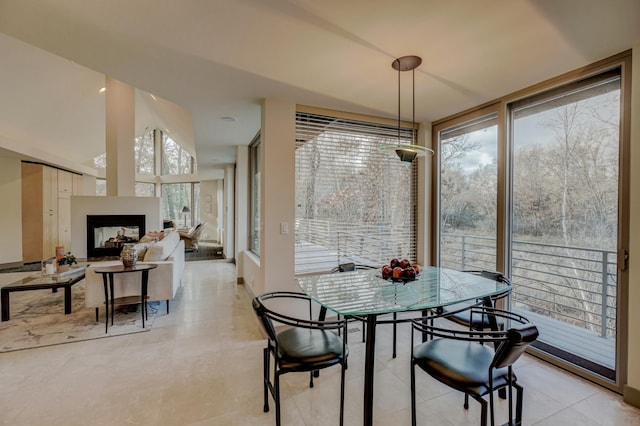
[
  {"x": 11, "y": 265},
  {"x": 631, "y": 396}
]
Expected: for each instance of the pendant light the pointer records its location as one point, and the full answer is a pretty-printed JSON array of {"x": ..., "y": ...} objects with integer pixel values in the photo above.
[{"x": 407, "y": 152}]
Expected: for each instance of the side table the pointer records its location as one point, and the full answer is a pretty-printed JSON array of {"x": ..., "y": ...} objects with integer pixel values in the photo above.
[{"x": 107, "y": 278}]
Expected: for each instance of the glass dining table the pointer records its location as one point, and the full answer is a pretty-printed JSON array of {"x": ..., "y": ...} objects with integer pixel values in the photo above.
[{"x": 366, "y": 293}]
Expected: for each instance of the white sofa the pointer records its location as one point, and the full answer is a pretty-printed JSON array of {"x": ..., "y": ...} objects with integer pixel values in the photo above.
[{"x": 164, "y": 280}]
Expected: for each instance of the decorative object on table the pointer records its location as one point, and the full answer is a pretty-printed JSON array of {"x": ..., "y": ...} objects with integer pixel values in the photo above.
[
  {"x": 185, "y": 212},
  {"x": 407, "y": 152},
  {"x": 49, "y": 266},
  {"x": 400, "y": 270},
  {"x": 65, "y": 262},
  {"x": 129, "y": 255}
]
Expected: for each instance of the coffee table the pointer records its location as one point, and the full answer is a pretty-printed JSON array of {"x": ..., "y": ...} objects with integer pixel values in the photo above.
[{"x": 43, "y": 282}]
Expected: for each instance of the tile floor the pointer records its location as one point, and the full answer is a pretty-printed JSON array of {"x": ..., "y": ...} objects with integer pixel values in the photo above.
[{"x": 202, "y": 365}]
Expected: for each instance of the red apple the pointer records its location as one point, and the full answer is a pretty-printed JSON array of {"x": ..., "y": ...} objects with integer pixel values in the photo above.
[
  {"x": 397, "y": 272},
  {"x": 394, "y": 263},
  {"x": 416, "y": 268},
  {"x": 387, "y": 271},
  {"x": 404, "y": 263},
  {"x": 409, "y": 273}
]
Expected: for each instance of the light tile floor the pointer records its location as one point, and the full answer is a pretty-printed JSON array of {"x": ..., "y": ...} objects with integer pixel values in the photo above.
[{"x": 202, "y": 365}]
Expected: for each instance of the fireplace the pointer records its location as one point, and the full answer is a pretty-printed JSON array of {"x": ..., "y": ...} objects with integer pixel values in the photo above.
[{"x": 107, "y": 234}]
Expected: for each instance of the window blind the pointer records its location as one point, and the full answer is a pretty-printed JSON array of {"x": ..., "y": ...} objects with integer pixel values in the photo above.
[{"x": 354, "y": 201}]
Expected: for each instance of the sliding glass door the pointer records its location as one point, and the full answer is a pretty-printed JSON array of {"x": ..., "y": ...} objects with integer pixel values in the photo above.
[
  {"x": 565, "y": 170},
  {"x": 535, "y": 185}
]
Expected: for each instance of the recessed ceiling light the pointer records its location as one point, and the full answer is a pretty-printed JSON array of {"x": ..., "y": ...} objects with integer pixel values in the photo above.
[
  {"x": 228, "y": 118},
  {"x": 102, "y": 90}
]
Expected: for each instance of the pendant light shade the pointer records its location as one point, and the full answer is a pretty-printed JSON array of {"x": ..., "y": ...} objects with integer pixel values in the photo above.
[{"x": 407, "y": 152}]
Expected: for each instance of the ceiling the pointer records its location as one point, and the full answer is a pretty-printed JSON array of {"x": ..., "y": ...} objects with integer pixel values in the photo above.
[{"x": 204, "y": 60}]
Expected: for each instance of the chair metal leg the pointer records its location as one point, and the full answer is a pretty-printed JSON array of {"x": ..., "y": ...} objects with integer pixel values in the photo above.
[
  {"x": 483, "y": 412},
  {"x": 344, "y": 367},
  {"x": 266, "y": 380},
  {"x": 519, "y": 395},
  {"x": 167, "y": 307},
  {"x": 466, "y": 401},
  {"x": 277, "y": 397},
  {"x": 413, "y": 394},
  {"x": 311, "y": 374},
  {"x": 492, "y": 412}
]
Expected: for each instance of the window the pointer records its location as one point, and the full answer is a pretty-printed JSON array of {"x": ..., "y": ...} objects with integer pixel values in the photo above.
[
  {"x": 565, "y": 174},
  {"x": 255, "y": 158},
  {"x": 468, "y": 194},
  {"x": 177, "y": 196},
  {"x": 145, "y": 189},
  {"x": 145, "y": 153},
  {"x": 100, "y": 161},
  {"x": 101, "y": 187},
  {"x": 175, "y": 160},
  {"x": 354, "y": 201},
  {"x": 560, "y": 187}
]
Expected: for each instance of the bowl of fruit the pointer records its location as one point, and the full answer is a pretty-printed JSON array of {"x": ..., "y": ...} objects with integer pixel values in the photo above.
[{"x": 400, "y": 271}]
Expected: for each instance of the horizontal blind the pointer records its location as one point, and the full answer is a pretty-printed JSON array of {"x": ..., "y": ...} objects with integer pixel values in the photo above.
[{"x": 355, "y": 202}]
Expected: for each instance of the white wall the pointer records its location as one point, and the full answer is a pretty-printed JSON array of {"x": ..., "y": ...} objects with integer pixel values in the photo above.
[
  {"x": 229, "y": 212},
  {"x": 11, "y": 213},
  {"x": 81, "y": 206},
  {"x": 242, "y": 205}
]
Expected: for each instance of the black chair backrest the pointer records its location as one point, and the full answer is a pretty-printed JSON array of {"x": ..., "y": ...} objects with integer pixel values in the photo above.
[
  {"x": 515, "y": 344},
  {"x": 347, "y": 267},
  {"x": 267, "y": 324}
]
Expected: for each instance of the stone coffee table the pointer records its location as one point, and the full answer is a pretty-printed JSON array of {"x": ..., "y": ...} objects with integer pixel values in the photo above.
[{"x": 42, "y": 282}]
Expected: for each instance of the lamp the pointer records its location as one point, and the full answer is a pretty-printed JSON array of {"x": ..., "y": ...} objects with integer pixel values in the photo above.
[
  {"x": 185, "y": 212},
  {"x": 407, "y": 152}
]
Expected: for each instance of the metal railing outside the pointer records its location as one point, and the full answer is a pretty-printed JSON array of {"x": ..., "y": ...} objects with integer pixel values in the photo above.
[{"x": 576, "y": 285}]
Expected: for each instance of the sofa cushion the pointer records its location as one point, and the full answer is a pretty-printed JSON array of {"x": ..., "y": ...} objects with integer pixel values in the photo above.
[{"x": 162, "y": 249}]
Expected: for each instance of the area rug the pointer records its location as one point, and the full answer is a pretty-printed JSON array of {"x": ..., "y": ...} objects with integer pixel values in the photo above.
[
  {"x": 205, "y": 252},
  {"x": 37, "y": 319}
]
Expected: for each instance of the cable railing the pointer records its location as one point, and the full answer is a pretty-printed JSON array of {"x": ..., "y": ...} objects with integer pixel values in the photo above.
[{"x": 576, "y": 285}]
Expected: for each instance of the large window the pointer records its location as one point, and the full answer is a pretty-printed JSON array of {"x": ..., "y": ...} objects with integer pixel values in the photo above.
[
  {"x": 534, "y": 185},
  {"x": 145, "y": 153},
  {"x": 566, "y": 148},
  {"x": 180, "y": 203},
  {"x": 468, "y": 194},
  {"x": 256, "y": 176},
  {"x": 175, "y": 159},
  {"x": 354, "y": 201}
]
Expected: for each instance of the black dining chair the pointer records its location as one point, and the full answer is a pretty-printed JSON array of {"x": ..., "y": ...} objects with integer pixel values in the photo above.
[
  {"x": 303, "y": 345},
  {"x": 462, "y": 360},
  {"x": 461, "y": 313}
]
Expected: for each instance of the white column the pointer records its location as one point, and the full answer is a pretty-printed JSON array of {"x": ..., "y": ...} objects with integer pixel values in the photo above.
[
  {"x": 120, "y": 138},
  {"x": 278, "y": 203}
]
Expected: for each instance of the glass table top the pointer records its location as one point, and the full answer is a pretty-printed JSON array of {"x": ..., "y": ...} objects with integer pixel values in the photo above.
[{"x": 366, "y": 292}]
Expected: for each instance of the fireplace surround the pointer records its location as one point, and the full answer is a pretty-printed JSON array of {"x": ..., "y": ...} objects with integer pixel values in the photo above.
[{"x": 107, "y": 234}]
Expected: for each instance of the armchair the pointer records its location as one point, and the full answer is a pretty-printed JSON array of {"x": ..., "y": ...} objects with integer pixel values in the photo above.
[{"x": 190, "y": 237}]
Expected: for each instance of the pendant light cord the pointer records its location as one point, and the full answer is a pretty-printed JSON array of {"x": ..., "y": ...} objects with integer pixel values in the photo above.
[{"x": 399, "y": 64}]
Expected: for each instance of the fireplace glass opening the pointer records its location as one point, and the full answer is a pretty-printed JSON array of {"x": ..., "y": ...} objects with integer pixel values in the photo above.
[{"x": 107, "y": 234}]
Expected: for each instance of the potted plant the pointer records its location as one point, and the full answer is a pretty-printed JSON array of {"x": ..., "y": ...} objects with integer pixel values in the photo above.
[{"x": 65, "y": 262}]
